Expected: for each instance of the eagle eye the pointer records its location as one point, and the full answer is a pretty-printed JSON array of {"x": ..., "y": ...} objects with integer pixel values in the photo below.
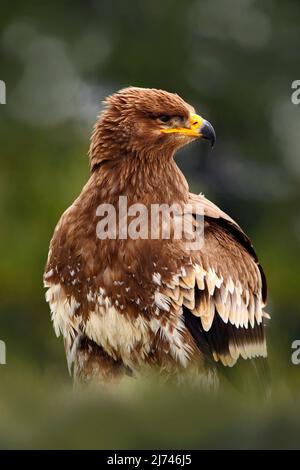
[{"x": 164, "y": 118}]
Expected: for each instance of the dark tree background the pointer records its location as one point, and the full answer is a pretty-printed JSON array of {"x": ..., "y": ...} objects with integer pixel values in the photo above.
[{"x": 235, "y": 60}]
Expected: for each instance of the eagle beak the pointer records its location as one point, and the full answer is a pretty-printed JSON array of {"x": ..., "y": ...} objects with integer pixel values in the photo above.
[
  {"x": 198, "y": 127},
  {"x": 202, "y": 128}
]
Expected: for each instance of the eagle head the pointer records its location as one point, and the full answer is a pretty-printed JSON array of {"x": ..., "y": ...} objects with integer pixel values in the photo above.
[{"x": 146, "y": 122}]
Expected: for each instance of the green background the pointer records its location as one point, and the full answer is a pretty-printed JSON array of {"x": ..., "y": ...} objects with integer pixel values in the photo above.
[{"x": 235, "y": 61}]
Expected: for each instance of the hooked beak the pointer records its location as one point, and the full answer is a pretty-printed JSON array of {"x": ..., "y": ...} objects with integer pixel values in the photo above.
[
  {"x": 198, "y": 127},
  {"x": 205, "y": 129}
]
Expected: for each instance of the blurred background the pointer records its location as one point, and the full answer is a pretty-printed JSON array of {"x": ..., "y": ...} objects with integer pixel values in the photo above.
[{"x": 235, "y": 62}]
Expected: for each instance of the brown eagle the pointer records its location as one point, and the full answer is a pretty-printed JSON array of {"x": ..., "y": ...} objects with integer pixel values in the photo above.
[{"x": 128, "y": 305}]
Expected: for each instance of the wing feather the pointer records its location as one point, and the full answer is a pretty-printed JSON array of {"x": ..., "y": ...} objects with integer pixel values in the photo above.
[{"x": 223, "y": 293}]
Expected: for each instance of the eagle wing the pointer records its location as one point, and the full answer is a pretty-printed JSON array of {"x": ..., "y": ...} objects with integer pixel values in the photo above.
[{"x": 223, "y": 291}]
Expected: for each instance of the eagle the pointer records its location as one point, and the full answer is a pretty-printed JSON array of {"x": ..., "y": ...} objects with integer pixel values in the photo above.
[{"x": 132, "y": 305}]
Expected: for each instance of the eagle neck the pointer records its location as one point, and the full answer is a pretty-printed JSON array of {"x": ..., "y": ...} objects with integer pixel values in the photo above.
[{"x": 147, "y": 180}]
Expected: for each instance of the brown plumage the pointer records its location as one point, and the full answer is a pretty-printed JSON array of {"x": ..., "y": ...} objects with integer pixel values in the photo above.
[{"x": 128, "y": 305}]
